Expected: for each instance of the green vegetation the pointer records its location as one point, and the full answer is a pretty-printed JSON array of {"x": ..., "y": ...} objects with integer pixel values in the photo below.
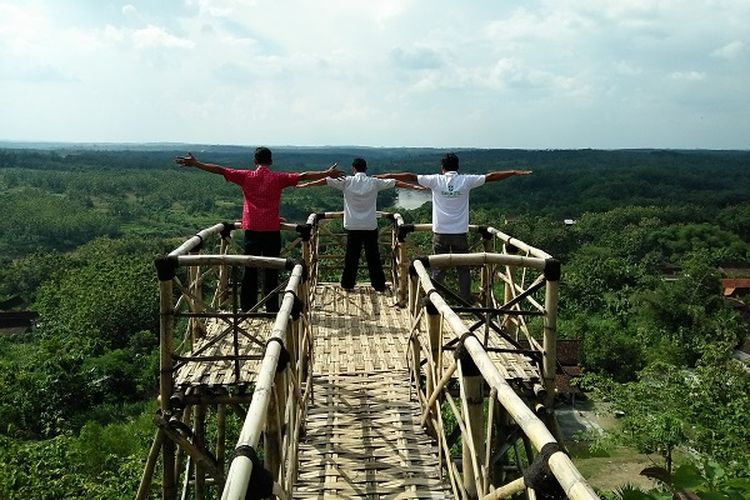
[{"x": 80, "y": 228}]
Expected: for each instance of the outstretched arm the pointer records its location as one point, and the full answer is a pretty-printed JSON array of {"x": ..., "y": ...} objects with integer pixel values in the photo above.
[
  {"x": 408, "y": 185},
  {"x": 331, "y": 171},
  {"x": 191, "y": 161},
  {"x": 319, "y": 182},
  {"x": 504, "y": 174},
  {"x": 399, "y": 176}
]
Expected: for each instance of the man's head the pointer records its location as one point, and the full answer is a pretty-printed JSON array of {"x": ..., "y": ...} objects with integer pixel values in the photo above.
[
  {"x": 359, "y": 165},
  {"x": 449, "y": 162},
  {"x": 263, "y": 156}
]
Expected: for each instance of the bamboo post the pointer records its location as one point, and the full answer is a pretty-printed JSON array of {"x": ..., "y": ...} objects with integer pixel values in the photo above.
[
  {"x": 472, "y": 385},
  {"x": 403, "y": 270},
  {"x": 148, "y": 471},
  {"x": 199, "y": 435},
  {"x": 221, "y": 432},
  {"x": 510, "y": 322},
  {"x": 552, "y": 275},
  {"x": 166, "y": 334},
  {"x": 435, "y": 335},
  {"x": 413, "y": 292}
]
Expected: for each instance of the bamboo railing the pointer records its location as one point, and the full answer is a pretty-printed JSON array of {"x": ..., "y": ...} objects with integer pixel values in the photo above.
[
  {"x": 200, "y": 290},
  {"x": 485, "y": 440},
  {"x": 517, "y": 299}
]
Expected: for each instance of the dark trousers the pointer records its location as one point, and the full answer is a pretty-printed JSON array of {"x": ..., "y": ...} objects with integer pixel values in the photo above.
[
  {"x": 265, "y": 244},
  {"x": 355, "y": 240},
  {"x": 453, "y": 243}
]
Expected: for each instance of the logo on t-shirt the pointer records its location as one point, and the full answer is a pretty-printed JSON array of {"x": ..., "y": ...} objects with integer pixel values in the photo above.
[{"x": 451, "y": 192}]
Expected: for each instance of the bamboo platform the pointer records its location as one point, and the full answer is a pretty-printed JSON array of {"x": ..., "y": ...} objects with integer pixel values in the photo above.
[{"x": 219, "y": 342}]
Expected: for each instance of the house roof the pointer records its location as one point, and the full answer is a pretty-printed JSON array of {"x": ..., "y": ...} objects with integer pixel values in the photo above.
[{"x": 731, "y": 285}]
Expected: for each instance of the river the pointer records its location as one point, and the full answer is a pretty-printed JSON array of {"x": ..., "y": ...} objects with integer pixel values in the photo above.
[{"x": 409, "y": 199}]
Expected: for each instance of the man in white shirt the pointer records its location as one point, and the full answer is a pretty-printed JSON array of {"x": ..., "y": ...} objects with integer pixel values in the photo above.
[
  {"x": 360, "y": 221},
  {"x": 450, "y": 209}
]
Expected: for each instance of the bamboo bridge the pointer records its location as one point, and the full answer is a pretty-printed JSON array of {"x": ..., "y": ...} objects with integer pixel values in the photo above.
[{"x": 408, "y": 394}]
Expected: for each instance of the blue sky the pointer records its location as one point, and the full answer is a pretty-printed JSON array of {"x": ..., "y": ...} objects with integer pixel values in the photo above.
[{"x": 535, "y": 74}]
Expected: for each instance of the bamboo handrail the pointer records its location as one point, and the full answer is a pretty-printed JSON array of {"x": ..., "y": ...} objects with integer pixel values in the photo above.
[
  {"x": 195, "y": 241},
  {"x": 482, "y": 258}
]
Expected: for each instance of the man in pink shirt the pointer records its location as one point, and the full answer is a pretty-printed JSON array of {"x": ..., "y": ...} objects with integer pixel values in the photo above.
[{"x": 261, "y": 190}]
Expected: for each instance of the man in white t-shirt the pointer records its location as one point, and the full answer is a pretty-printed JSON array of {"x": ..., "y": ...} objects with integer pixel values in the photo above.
[
  {"x": 360, "y": 221},
  {"x": 450, "y": 209}
]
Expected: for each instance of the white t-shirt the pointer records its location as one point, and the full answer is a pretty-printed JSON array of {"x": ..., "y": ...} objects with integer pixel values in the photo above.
[
  {"x": 360, "y": 198},
  {"x": 450, "y": 200}
]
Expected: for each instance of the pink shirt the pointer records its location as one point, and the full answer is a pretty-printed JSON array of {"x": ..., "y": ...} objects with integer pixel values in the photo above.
[{"x": 261, "y": 189}]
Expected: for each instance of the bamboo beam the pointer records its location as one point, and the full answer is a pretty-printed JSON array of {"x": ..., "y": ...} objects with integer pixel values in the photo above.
[
  {"x": 232, "y": 260},
  {"x": 148, "y": 471},
  {"x": 507, "y": 490}
]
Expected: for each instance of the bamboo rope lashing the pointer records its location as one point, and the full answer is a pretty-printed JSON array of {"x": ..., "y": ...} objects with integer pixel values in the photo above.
[{"x": 241, "y": 466}]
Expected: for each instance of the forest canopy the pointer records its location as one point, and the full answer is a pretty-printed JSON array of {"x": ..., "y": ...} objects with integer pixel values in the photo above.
[{"x": 80, "y": 227}]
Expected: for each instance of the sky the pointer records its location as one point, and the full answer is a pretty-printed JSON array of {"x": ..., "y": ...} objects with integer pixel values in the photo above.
[{"x": 536, "y": 74}]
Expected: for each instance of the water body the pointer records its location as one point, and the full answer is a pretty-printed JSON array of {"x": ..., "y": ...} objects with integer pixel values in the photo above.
[{"x": 408, "y": 199}]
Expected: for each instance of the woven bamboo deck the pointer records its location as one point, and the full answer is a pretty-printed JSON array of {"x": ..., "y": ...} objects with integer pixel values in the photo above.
[
  {"x": 363, "y": 435},
  {"x": 219, "y": 341}
]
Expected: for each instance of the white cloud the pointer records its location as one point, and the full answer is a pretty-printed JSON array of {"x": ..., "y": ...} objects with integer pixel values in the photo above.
[
  {"x": 129, "y": 10},
  {"x": 732, "y": 50},
  {"x": 156, "y": 37},
  {"x": 689, "y": 76}
]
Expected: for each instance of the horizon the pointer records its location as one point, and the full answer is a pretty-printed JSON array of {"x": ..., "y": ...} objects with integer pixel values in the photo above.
[{"x": 167, "y": 145}]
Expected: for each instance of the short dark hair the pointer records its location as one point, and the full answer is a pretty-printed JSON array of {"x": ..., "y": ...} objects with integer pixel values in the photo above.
[
  {"x": 263, "y": 156},
  {"x": 359, "y": 164},
  {"x": 449, "y": 162}
]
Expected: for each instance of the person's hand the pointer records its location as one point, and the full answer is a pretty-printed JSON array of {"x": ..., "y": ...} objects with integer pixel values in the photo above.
[
  {"x": 522, "y": 172},
  {"x": 334, "y": 172},
  {"x": 186, "y": 161}
]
